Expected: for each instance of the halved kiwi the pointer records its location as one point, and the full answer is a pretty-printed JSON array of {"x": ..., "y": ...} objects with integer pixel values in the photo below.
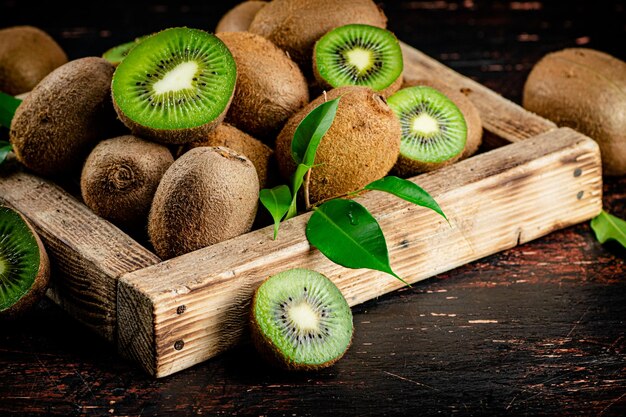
[
  {"x": 24, "y": 265},
  {"x": 117, "y": 54},
  {"x": 175, "y": 86},
  {"x": 434, "y": 131},
  {"x": 359, "y": 55},
  {"x": 300, "y": 320}
]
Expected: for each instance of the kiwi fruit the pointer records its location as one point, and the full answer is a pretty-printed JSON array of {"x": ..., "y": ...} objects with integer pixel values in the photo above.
[
  {"x": 24, "y": 264},
  {"x": 27, "y": 55},
  {"x": 208, "y": 195},
  {"x": 120, "y": 177},
  {"x": 270, "y": 87},
  {"x": 434, "y": 131},
  {"x": 64, "y": 117},
  {"x": 583, "y": 89},
  {"x": 295, "y": 25},
  {"x": 300, "y": 321},
  {"x": 470, "y": 112},
  {"x": 261, "y": 155},
  {"x": 117, "y": 54},
  {"x": 175, "y": 86},
  {"x": 361, "y": 145},
  {"x": 238, "y": 18},
  {"x": 359, "y": 55}
]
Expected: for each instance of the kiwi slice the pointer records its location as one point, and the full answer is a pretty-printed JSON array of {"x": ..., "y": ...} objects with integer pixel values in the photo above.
[
  {"x": 175, "y": 86},
  {"x": 359, "y": 55},
  {"x": 434, "y": 131},
  {"x": 24, "y": 266},
  {"x": 300, "y": 320},
  {"x": 117, "y": 54}
]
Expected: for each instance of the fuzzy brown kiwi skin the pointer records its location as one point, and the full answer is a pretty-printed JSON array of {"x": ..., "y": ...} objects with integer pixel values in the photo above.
[
  {"x": 38, "y": 289},
  {"x": 120, "y": 177},
  {"x": 173, "y": 136},
  {"x": 27, "y": 55},
  {"x": 271, "y": 353},
  {"x": 208, "y": 195},
  {"x": 270, "y": 86},
  {"x": 261, "y": 155},
  {"x": 238, "y": 18},
  {"x": 64, "y": 117},
  {"x": 361, "y": 146},
  {"x": 582, "y": 89},
  {"x": 467, "y": 108},
  {"x": 295, "y": 25}
]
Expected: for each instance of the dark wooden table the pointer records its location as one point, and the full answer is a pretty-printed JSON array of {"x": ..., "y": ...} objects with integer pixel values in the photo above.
[{"x": 536, "y": 330}]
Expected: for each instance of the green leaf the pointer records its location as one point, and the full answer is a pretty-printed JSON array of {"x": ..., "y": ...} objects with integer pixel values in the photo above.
[
  {"x": 347, "y": 234},
  {"x": 5, "y": 148},
  {"x": 406, "y": 190},
  {"x": 608, "y": 227},
  {"x": 276, "y": 201},
  {"x": 310, "y": 132},
  {"x": 8, "y": 105}
]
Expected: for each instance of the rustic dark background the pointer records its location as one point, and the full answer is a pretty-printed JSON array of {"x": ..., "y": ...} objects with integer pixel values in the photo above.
[{"x": 536, "y": 330}]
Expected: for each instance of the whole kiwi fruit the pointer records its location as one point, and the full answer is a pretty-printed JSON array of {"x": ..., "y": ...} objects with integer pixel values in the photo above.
[
  {"x": 64, "y": 117},
  {"x": 261, "y": 155},
  {"x": 583, "y": 89},
  {"x": 238, "y": 18},
  {"x": 120, "y": 177},
  {"x": 295, "y": 25},
  {"x": 24, "y": 264},
  {"x": 208, "y": 195},
  {"x": 27, "y": 55},
  {"x": 470, "y": 112},
  {"x": 361, "y": 145},
  {"x": 270, "y": 87}
]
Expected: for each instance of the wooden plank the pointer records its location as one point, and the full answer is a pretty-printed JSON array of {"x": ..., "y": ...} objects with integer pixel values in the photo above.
[
  {"x": 88, "y": 254},
  {"x": 195, "y": 306},
  {"x": 503, "y": 121}
]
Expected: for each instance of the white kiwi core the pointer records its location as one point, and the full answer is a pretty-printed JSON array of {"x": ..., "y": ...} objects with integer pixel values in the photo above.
[
  {"x": 360, "y": 58},
  {"x": 305, "y": 316},
  {"x": 179, "y": 78},
  {"x": 425, "y": 124}
]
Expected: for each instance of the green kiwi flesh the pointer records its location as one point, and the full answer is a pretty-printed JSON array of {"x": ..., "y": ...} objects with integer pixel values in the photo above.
[
  {"x": 434, "y": 131},
  {"x": 175, "y": 86},
  {"x": 358, "y": 55},
  {"x": 24, "y": 265},
  {"x": 27, "y": 55},
  {"x": 120, "y": 177},
  {"x": 117, "y": 54},
  {"x": 300, "y": 320}
]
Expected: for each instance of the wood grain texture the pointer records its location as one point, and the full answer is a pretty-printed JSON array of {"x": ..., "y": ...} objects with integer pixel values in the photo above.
[
  {"x": 87, "y": 253},
  {"x": 503, "y": 120},
  {"x": 493, "y": 201}
]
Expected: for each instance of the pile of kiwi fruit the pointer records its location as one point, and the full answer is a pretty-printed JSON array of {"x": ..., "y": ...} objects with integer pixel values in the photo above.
[{"x": 172, "y": 135}]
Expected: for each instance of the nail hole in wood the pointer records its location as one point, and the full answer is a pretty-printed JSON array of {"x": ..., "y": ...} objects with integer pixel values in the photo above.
[
  {"x": 179, "y": 345},
  {"x": 580, "y": 195},
  {"x": 578, "y": 172},
  {"x": 181, "y": 309}
]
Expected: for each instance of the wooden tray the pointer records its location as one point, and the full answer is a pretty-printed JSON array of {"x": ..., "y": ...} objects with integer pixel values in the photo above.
[{"x": 171, "y": 315}]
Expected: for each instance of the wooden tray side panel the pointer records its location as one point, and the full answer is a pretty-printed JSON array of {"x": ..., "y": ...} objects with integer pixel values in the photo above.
[
  {"x": 503, "y": 120},
  {"x": 199, "y": 301},
  {"x": 88, "y": 254}
]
